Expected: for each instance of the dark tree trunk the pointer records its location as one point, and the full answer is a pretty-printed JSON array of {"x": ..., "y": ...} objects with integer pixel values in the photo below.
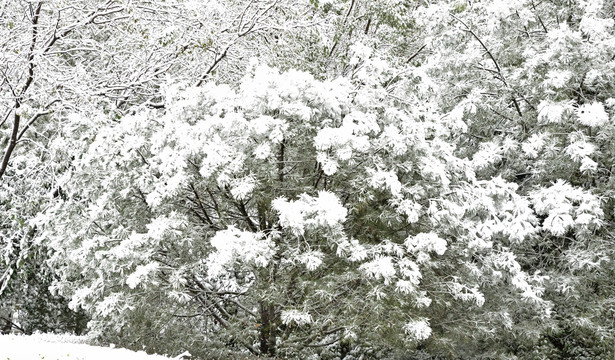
[{"x": 268, "y": 329}]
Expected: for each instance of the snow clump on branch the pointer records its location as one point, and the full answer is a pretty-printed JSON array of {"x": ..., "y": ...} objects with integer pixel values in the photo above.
[{"x": 310, "y": 212}]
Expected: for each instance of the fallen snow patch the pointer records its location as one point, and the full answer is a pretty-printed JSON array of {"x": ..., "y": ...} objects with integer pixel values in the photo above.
[{"x": 60, "y": 347}]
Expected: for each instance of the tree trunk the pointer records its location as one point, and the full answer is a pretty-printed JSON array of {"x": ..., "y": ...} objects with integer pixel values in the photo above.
[{"x": 268, "y": 329}]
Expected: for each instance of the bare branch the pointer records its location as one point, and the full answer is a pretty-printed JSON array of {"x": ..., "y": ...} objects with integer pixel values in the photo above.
[
  {"x": 495, "y": 62},
  {"x": 17, "y": 117}
]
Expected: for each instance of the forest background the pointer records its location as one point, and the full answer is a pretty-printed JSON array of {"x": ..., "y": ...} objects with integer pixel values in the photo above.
[{"x": 311, "y": 179}]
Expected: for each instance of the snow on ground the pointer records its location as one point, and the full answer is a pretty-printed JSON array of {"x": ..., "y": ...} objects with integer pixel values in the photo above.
[{"x": 63, "y": 347}]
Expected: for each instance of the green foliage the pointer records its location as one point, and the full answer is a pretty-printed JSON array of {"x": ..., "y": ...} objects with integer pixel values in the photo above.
[{"x": 30, "y": 304}]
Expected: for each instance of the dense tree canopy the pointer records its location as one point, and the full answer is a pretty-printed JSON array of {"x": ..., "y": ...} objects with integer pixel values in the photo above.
[{"x": 311, "y": 179}]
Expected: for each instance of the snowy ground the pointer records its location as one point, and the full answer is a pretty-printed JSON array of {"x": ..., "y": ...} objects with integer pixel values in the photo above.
[{"x": 62, "y": 347}]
